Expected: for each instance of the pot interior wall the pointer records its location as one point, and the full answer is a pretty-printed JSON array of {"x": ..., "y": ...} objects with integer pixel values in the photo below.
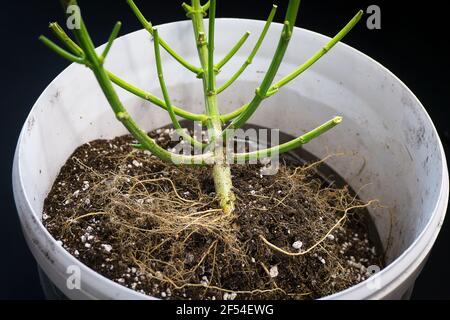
[{"x": 390, "y": 142}]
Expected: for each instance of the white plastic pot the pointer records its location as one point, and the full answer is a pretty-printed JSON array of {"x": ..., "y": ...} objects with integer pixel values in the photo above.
[{"x": 397, "y": 154}]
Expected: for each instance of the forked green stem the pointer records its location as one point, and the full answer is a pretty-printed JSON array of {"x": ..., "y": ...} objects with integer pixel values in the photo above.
[
  {"x": 261, "y": 92},
  {"x": 83, "y": 52},
  {"x": 96, "y": 65},
  {"x": 305, "y": 66},
  {"x": 253, "y": 53},
  {"x": 78, "y": 52},
  {"x": 149, "y": 27},
  {"x": 63, "y": 53},
  {"x": 64, "y": 37},
  {"x": 319, "y": 54}
]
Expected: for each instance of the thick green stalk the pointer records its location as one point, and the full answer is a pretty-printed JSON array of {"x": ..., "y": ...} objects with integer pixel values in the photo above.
[{"x": 221, "y": 169}]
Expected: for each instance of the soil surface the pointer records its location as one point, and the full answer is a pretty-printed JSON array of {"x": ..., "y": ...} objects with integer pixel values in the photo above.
[{"x": 156, "y": 228}]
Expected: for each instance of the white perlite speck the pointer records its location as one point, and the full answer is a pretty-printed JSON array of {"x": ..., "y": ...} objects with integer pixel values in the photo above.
[
  {"x": 297, "y": 245},
  {"x": 107, "y": 247},
  {"x": 273, "y": 271},
  {"x": 229, "y": 296},
  {"x": 136, "y": 163},
  {"x": 204, "y": 281}
]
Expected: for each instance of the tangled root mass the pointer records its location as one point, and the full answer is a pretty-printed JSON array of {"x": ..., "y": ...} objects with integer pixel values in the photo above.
[{"x": 158, "y": 229}]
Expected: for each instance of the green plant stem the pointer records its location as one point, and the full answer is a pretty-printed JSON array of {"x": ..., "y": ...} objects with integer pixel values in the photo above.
[
  {"x": 181, "y": 131},
  {"x": 305, "y": 66},
  {"x": 112, "y": 37},
  {"x": 253, "y": 53},
  {"x": 76, "y": 50},
  {"x": 64, "y": 37},
  {"x": 155, "y": 100},
  {"x": 121, "y": 113},
  {"x": 149, "y": 27},
  {"x": 205, "y": 7},
  {"x": 211, "y": 81},
  {"x": 261, "y": 92},
  {"x": 233, "y": 114},
  {"x": 60, "y": 51},
  {"x": 288, "y": 146},
  {"x": 84, "y": 52},
  {"x": 233, "y": 51},
  {"x": 319, "y": 54},
  {"x": 221, "y": 169}
]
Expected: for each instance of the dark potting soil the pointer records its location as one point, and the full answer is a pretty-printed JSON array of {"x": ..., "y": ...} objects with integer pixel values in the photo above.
[{"x": 156, "y": 228}]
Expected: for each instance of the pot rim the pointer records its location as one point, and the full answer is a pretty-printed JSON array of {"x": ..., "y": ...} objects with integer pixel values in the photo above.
[{"x": 399, "y": 269}]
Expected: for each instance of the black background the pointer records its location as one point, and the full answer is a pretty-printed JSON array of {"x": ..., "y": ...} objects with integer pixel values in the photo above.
[{"x": 413, "y": 43}]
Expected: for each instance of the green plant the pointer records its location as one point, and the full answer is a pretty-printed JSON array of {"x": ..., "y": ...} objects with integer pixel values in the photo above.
[{"x": 82, "y": 51}]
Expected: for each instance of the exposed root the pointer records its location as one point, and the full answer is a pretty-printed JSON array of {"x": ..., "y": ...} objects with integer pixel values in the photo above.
[
  {"x": 166, "y": 222},
  {"x": 338, "y": 223}
]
